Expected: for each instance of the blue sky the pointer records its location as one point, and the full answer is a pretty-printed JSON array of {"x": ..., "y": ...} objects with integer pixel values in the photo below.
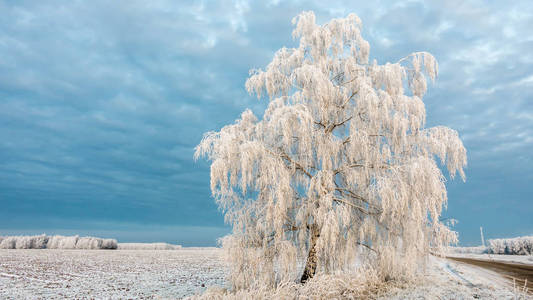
[{"x": 102, "y": 103}]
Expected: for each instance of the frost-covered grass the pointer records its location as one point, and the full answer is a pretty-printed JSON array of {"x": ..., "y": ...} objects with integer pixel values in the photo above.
[
  {"x": 443, "y": 279},
  {"x": 147, "y": 246},
  {"x": 59, "y": 274},
  {"x": 467, "y": 250},
  {"x": 55, "y": 242},
  {"x": 124, "y": 274}
]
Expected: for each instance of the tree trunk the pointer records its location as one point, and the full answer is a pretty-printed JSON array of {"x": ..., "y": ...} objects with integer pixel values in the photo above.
[{"x": 310, "y": 265}]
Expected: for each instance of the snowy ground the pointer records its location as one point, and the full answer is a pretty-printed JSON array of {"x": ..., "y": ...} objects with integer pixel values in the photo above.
[
  {"x": 446, "y": 279},
  {"x": 51, "y": 273},
  {"x": 120, "y": 274},
  {"x": 521, "y": 259}
]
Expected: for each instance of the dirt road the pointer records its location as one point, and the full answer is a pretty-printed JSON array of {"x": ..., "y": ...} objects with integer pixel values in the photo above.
[{"x": 519, "y": 272}]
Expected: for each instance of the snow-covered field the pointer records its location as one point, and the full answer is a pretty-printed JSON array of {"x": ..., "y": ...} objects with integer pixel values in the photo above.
[
  {"x": 522, "y": 245},
  {"x": 117, "y": 274},
  {"x": 147, "y": 246},
  {"x": 120, "y": 274},
  {"x": 520, "y": 259},
  {"x": 446, "y": 279}
]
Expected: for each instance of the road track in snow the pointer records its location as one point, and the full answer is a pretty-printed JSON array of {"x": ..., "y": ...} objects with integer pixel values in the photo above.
[{"x": 519, "y": 272}]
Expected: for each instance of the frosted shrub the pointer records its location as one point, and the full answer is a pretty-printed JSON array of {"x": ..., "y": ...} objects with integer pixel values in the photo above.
[
  {"x": 8, "y": 242},
  {"x": 109, "y": 244},
  {"x": 39, "y": 242},
  {"x": 95, "y": 243},
  {"x": 30, "y": 242},
  {"x": 68, "y": 242},
  {"x": 339, "y": 169},
  {"x": 88, "y": 243},
  {"x": 53, "y": 242},
  {"x": 23, "y": 242}
]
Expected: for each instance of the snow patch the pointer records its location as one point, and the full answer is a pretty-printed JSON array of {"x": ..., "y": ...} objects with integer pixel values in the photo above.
[{"x": 147, "y": 246}]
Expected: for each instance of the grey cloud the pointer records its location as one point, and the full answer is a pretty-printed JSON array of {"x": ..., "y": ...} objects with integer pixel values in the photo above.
[{"x": 103, "y": 102}]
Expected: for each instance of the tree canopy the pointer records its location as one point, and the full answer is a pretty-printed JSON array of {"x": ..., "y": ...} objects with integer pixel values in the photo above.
[{"x": 340, "y": 171}]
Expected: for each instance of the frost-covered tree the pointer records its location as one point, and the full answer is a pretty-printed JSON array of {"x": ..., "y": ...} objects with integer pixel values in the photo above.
[{"x": 340, "y": 170}]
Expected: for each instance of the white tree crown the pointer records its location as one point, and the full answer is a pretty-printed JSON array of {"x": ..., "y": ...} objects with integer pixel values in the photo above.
[{"x": 342, "y": 150}]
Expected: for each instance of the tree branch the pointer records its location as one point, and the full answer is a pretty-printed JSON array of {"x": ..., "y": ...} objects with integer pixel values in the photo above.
[
  {"x": 346, "y": 141},
  {"x": 349, "y": 98},
  {"x": 320, "y": 123},
  {"x": 338, "y": 76},
  {"x": 360, "y": 198},
  {"x": 333, "y": 126},
  {"x": 352, "y": 194},
  {"x": 284, "y": 155},
  {"x": 298, "y": 166},
  {"x": 337, "y": 171},
  {"x": 360, "y": 208},
  {"x": 365, "y": 245},
  {"x": 346, "y": 82}
]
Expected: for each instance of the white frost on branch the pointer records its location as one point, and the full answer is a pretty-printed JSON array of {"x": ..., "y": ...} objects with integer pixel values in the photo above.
[{"x": 340, "y": 168}]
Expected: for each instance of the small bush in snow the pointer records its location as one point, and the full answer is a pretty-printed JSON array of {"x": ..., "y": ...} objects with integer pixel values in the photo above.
[
  {"x": 109, "y": 244},
  {"x": 8, "y": 242},
  {"x": 89, "y": 243}
]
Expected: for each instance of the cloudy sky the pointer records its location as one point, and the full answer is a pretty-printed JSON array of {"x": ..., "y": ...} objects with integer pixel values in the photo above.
[{"x": 102, "y": 103}]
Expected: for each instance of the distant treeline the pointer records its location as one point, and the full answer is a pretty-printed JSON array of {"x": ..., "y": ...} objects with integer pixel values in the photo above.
[
  {"x": 56, "y": 242},
  {"x": 147, "y": 246},
  {"x": 513, "y": 246},
  {"x": 518, "y": 246}
]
